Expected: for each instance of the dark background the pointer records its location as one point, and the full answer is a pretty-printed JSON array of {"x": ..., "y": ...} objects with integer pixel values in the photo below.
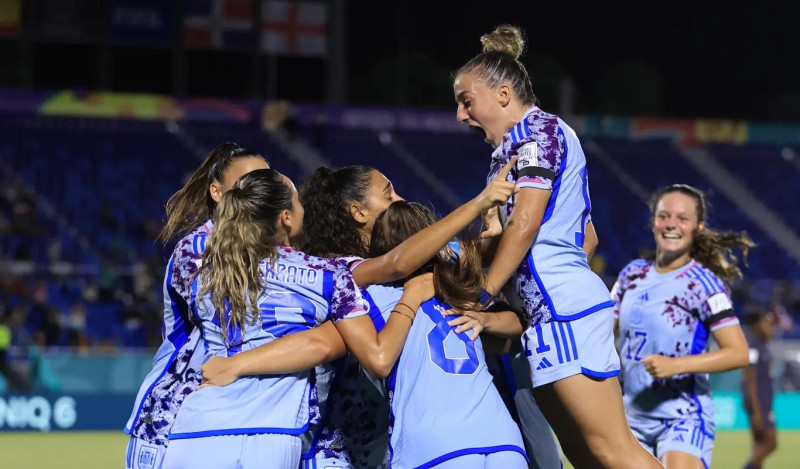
[{"x": 699, "y": 59}]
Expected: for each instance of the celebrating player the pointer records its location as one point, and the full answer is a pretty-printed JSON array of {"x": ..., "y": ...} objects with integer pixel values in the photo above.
[
  {"x": 666, "y": 308},
  {"x": 540, "y": 263},
  {"x": 176, "y": 364}
]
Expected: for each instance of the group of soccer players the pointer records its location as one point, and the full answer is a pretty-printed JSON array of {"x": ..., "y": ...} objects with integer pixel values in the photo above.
[{"x": 340, "y": 326}]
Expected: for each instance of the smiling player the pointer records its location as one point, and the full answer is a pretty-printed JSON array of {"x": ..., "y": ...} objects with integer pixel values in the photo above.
[{"x": 666, "y": 309}]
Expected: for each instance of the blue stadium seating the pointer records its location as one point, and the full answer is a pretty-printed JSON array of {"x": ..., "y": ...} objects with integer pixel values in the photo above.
[{"x": 107, "y": 177}]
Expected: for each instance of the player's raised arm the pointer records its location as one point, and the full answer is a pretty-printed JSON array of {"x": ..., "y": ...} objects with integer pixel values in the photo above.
[{"x": 410, "y": 255}]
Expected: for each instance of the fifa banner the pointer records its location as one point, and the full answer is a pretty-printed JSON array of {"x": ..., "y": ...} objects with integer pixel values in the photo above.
[
  {"x": 49, "y": 412},
  {"x": 141, "y": 22}
]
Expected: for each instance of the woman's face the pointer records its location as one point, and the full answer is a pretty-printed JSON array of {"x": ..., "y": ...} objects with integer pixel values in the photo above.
[
  {"x": 674, "y": 223},
  {"x": 380, "y": 195},
  {"x": 479, "y": 107},
  {"x": 297, "y": 212}
]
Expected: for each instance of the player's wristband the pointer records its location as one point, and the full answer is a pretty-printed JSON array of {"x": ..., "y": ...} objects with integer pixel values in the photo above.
[{"x": 485, "y": 297}]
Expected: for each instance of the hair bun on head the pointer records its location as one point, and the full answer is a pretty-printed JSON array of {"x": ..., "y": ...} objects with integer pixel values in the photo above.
[{"x": 505, "y": 39}]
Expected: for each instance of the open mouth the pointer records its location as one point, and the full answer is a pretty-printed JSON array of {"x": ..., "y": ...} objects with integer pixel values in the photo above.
[
  {"x": 671, "y": 236},
  {"x": 479, "y": 130}
]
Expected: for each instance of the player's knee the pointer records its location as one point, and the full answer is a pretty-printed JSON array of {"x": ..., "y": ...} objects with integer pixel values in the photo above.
[{"x": 771, "y": 443}]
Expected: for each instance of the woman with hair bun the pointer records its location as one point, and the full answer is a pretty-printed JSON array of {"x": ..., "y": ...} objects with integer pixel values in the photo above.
[{"x": 541, "y": 263}]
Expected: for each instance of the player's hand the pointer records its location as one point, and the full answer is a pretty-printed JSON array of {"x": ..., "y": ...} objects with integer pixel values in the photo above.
[
  {"x": 491, "y": 222},
  {"x": 218, "y": 371},
  {"x": 420, "y": 287},
  {"x": 469, "y": 320},
  {"x": 498, "y": 190},
  {"x": 660, "y": 367}
]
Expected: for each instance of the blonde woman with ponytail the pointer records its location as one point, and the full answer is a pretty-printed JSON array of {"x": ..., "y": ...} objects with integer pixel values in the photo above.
[
  {"x": 540, "y": 261},
  {"x": 341, "y": 206},
  {"x": 254, "y": 287},
  {"x": 178, "y": 359}
]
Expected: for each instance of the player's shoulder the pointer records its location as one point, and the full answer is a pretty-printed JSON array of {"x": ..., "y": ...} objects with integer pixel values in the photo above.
[
  {"x": 350, "y": 262},
  {"x": 384, "y": 295},
  {"x": 635, "y": 268},
  {"x": 705, "y": 279},
  {"x": 190, "y": 248},
  {"x": 332, "y": 265},
  {"x": 536, "y": 125}
]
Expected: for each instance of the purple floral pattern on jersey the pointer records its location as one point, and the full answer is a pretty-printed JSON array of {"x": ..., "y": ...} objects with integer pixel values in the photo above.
[
  {"x": 351, "y": 425},
  {"x": 635, "y": 270},
  {"x": 683, "y": 309},
  {"x": 535, "y": 309},
  {"x": 186, "y": 257},
  {"x": 161, "y": 404},
  {"x": 544, "y": 131},
  {"x": 350, "y": 429},
  {"x": 346, "y": 300}
]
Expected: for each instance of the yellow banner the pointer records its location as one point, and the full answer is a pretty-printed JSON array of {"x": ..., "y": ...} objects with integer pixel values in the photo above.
[
  {"x": 10, "y": 17},
  {"x": 721, "y": 131},
  {"x": 112, "y": 105}
]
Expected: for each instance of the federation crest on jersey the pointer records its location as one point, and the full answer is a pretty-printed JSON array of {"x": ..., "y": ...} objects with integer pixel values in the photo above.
[
  {"x": 146, "y": 458},
  {"x": 527, "y": 156}
]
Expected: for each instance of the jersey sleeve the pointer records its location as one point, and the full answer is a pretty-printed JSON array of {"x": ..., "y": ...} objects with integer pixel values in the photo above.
[
  {"x": 351, "y": 262},
  {"x": 616, "y": 295},
  {"x": 716, "y": 311},
  {"x": 185, "y": 262},
  {"x": 635, "y": 269},
  {"x": 618, "y": 290},
  {"x": 346, "y": 300},
  {"x": 539, "y": 155}
]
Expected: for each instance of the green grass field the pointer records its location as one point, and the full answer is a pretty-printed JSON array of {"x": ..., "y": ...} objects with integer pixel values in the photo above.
[
  {"x": 732, "y": 448},
  {"x": 106, "y": 450}
]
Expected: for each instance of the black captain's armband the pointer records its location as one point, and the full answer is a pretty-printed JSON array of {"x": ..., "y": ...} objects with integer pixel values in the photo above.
[{"x": 535, "y": 172}]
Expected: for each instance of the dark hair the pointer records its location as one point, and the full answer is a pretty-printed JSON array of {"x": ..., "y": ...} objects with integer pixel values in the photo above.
[
  {"x": 329, "y": 229},
  {"x": 753, "y": 312},
  {"x": 193, "y": 204},
  {"x": 245, "y": 233},
  {"x": 457, "y": 283},
  {"x": 712, "y": 248},
  {"x": 499, "y": 62}
]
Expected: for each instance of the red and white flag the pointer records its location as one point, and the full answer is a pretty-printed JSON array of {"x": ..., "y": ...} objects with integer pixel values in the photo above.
[{"x": 294, "y": 27}]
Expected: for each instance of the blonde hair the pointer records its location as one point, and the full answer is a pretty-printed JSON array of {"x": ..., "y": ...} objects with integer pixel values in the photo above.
[
  {"x": 499, "y": 63},
  {"x": 245, "y": 234},
  {"x": 506, "y": 39}
]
